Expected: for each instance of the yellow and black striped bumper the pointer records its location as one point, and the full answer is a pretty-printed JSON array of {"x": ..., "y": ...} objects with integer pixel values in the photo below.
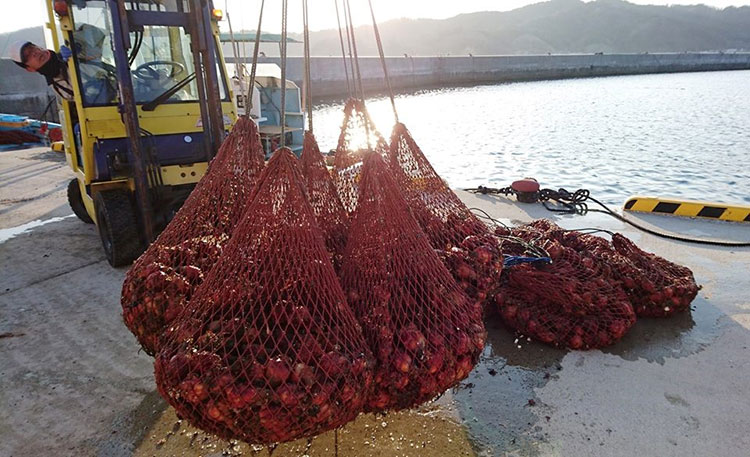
[{"x": 689, "y": 208}]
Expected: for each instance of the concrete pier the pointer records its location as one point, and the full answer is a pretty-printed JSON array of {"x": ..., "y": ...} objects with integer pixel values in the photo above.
[{"x": 74, "y": 382}]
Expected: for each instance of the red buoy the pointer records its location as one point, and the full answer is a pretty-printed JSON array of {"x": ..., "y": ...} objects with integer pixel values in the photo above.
[
  {"x": 527, "y": 190},
  {"x": 525, "y": 185}
]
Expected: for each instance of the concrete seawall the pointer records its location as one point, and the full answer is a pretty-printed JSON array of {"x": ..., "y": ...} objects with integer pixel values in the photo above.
[
  {"x": 329, "y": 79},
  {"x": 25, "y": 93}
]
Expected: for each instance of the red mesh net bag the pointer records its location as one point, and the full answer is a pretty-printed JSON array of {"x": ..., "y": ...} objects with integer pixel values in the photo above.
[
  {"x": 470, "y": 251},
  {"x": 573, "y": 302},
  {"x": 324, "y": 199},
  {"x": 358, "y": 136},
  {"x": 162, "y": 279},
  {"x": 268, "y": 350},
  {"x": 655, "y": 286},
  {"x": 424, "y": 332},
  {"x": 476, "y": 264}
]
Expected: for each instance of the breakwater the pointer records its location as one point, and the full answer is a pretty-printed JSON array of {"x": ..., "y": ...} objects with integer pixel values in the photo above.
[{"x": 407, "y": 72}]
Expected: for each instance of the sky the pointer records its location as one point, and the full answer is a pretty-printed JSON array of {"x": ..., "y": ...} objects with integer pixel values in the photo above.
[{"x": 244, "y": 13}]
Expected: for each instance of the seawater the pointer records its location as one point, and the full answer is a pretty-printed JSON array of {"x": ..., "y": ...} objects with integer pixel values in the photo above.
[{"x": 684, "y": 135}]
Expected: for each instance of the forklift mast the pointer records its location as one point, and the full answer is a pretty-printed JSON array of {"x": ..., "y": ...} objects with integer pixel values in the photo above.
[{"x": 194, "y": 16}]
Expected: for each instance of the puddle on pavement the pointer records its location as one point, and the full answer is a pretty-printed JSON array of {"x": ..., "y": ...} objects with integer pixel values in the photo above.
[
  {"x": 426, "y": 431},
  {"x": 681, "y": 335},
  {"x": 497, "y": 402},
  {"x": 12, "y": 232}
]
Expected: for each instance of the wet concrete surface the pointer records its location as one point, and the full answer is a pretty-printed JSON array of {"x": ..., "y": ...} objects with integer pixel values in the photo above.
[
  {"x": 657, "y": 340},
  {"x": 499, "y": 404},
  {"x": 671, "y": 386},
  {"x": 74, "y": 382},
  {"x": 497, "y": 401},
  {"x": 33, "y": 185},
  {"x": 70, "y": 372},
  {"x": 425, "y": 431}
]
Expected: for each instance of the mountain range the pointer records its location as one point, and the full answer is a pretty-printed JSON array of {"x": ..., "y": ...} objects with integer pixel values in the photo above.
[{"x": 557, "y": 27}]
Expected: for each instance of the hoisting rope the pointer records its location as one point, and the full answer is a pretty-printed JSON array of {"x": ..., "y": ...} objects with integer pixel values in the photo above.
[
  {"x": 244, "y": 56},
  {"x": 575, "y": 203},
  {"x": 353, "y": 92},
  {"x": 343, "y": 51},
  {"x": 382, "y": 60},
  {"x": 251, "y": 82},
  {"x": 308, "y": 92},
  {"x": 282, "y": 120},
  {"x": 354, "y": 57},
  {"x": 358, "y": 74},
  {"x": 235, "y": 46}
]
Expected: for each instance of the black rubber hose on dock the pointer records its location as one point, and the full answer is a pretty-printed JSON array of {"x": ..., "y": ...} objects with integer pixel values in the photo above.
[{"x": 575, "y": 203}]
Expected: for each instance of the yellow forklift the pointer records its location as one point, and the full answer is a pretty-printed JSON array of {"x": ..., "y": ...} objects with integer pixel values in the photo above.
[{"x": 152, "y": 105}]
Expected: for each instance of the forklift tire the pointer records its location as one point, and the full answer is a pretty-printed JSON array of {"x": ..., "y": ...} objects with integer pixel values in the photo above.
[
  {"x": 118, "y": 226},
  {"x": 76, "y": 202}
]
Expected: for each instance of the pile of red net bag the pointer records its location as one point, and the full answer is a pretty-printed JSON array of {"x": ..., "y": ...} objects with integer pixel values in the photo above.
[
  {"x": 575, "y": 301},
  {"x": 162, "y": 279},
  {"x": 17, "y": 137},
  {"x": 423, "y": 330},
  {"x": 655, "y": 286},
  {"x": 324, "y": 199},
  {"x": 466, "y": 244},
  {"x": 358, "y": 136},
  {"x": 268, "y": 350}
]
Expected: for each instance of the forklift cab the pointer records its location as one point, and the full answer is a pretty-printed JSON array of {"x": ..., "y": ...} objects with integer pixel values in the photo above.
[{"x": 151, "y": 105}]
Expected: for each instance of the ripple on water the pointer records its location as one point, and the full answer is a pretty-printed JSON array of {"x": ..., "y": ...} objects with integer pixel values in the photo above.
[{"x": 633, "y": 130}]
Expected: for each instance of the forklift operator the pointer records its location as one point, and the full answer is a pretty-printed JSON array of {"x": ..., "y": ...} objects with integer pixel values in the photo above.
[
  {"x": 46, "y": 62},
  {"x": 97, "y": 76}
]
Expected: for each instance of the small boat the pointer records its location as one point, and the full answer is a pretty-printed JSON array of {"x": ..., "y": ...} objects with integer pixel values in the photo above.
[
  {"x": 266, "y": 103},
  {"x": 20, "y": 131}
]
